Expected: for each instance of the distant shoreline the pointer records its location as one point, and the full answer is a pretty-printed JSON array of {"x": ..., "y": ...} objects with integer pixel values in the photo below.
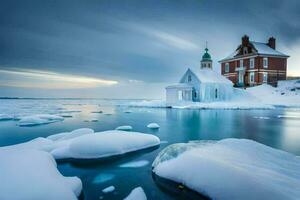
[{"x": 62, "y": 98}]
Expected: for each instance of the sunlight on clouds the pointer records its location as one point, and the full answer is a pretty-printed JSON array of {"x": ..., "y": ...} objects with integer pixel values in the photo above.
[{"x": 45, "y": 79}]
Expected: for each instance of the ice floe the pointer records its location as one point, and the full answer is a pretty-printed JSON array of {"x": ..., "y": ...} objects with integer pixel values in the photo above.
[
  {"x": 153, "y": 126},
  {"x": 32, "y": 174},
  {"x": 231, "y": 169},
  {"x": 261, "y": 117},
  {"x": 135, "y": 164},
  {"x": 39, "y": 119},
  {"x": 105, "y": 144},
  {"x": 137, "y": 194},
  {"x": 109, "y": 189},
  {"x": 124, "y": 128}
]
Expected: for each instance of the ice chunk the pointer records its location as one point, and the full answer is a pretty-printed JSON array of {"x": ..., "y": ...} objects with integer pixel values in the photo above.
[
  {"x": 6, "y": 117},
  {"x": 137, "y": 194},
  {"x": 261, "y": 117},
  {"x": 39, "y": 119},
  {"x": 124, "y": 128},
  {"x": 103, "y": 177},
  {"x": 70, "y": 135},
  {"x": 32, "y": 174},
  {"x": 250, "y": 170},
  {"x": 135, "y": 164},
  {"x": 105, "y": 144},
  {"x": 153, "y": 125},
  {"x": 109, "y": 189}
]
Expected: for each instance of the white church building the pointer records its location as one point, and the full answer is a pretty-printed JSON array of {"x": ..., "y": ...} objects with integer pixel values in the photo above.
[{"x": 203, "y": 85}]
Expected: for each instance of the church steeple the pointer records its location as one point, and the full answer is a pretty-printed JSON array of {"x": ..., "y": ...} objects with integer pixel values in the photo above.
[{"x": 206, "y": 62}]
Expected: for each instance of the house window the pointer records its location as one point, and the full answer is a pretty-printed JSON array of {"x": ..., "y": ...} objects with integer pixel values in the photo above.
[
  {"x": 265, "y": 62},
  {"x": 189, "y": 78},
  {"x": 195, "y": 95},
  {"x": 226, "y": 67},
  {"x": 265, "y": 77},
  {"x": 251, "y": 77},
  {"x": 241, "y": 64},
  {"x": 216, "y": 93},
  {"x": 252, "y": 63}
]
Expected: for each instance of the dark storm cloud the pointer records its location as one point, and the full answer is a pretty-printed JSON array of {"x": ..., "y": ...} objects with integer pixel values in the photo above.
[{"x": 151, "y": 41}]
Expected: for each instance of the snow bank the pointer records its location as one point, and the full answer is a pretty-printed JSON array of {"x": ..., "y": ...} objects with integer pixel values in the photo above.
[
  {"x": 105, "y": 144},
  {"x": 39, "y": 119},
  {"x": 231, "y": 169},
  {"x": 153, "y": 126},
  {"x": 137, "y": 194},
  {"x": 280, "y": 96},
  {"x": 124, "y": 128},
  {"x": 109, "y": 189},
  {"x": 32, "y": 174}
]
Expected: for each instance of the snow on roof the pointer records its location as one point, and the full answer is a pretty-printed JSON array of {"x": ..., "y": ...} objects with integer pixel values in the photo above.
[
  {"x": 262, "y": 49},
  {"x": 210, "y": 76}
]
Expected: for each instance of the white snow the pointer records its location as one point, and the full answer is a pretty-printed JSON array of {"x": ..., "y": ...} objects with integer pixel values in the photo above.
[
  {"x": 124, "y": 128},
  {"x": 137, "y": 194},
  {"x": 32, "y": 174},
  {"x": 153, "y": 126},
  {"x": 280, "y": 96},
  {"x": 109, "y": 189},
  {"x": 135, "y": 164},
  {"x": 232, "y": 169},
  {"x": 39, "y": 119}
]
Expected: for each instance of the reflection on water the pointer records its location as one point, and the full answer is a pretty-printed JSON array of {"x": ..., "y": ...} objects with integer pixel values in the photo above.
[{"x": 176, "y": 125}]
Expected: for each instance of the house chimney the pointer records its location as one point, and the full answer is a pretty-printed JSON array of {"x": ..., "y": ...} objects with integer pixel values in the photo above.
[
  {"x": 272, "y": 42},
  {"x": 245, "y": 40}
]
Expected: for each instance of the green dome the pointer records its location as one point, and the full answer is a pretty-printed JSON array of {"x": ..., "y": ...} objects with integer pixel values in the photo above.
[{"x": 206, "y": 56}]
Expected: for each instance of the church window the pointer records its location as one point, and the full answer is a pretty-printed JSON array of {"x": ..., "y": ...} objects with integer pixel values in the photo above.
[
  {"x": 216, "y": 93},
  {"x": 195, "y": 95},
  {"x": 189, "y": 78},
  {"x": 209, "y": 65}
]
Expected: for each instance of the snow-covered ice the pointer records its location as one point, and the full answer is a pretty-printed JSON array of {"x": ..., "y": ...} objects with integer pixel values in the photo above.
[
  {"x": 135, "y": 164},
  {"x": 153, "y": 126},
  {"x": 231, "y": 169},
  {"x": 109, "y": 189},
  {"x": 39, "y": 119},
  {"x": 32, "y": 174},
  {"x": 124, "y": 128},
  {"x": 85, "y": 144},
  {"x": 137, "y": 194},
  {"x": 105, "y": 144}
]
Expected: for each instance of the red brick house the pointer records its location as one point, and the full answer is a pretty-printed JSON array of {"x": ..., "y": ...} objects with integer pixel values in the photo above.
[{"x": 254, "y": 63}]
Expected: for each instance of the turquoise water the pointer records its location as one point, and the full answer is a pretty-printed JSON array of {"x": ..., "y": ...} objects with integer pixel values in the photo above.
[{"x": 176, "y": 125}]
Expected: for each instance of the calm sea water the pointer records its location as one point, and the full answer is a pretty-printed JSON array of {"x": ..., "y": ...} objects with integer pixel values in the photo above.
[{"x": 177, "y": 125}]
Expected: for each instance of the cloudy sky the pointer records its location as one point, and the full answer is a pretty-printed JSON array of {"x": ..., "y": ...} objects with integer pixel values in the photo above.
[{"x": 129, "y": 48}]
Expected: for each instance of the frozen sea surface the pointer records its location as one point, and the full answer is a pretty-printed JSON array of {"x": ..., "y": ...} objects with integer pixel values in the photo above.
[{"x": 176, "y": 125}]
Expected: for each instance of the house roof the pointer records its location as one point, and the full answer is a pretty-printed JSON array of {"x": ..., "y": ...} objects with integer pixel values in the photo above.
[{"x": 261, "y": 49}]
